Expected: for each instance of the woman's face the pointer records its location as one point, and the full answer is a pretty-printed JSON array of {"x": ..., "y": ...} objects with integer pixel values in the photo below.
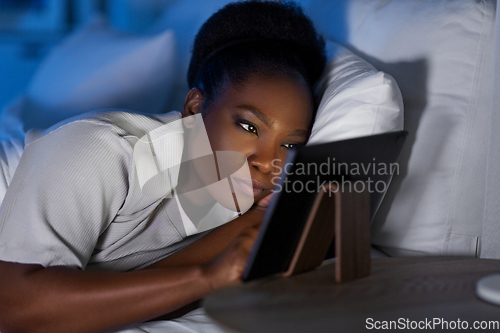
[{"x": 262, "y": 118}]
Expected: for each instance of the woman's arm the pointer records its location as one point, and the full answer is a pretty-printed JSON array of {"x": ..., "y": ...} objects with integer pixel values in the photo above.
[
  {"x": 60, "y": 299},
  {"x": 211, "y": 245}
]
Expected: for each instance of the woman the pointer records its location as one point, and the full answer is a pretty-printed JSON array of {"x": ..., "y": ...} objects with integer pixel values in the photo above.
[{"x": 83, "y": 250}]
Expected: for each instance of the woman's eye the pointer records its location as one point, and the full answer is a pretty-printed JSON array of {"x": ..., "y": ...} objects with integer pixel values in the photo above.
[
  {"x": 249, "y": 128},
  {"x": 290, "y": 145}
]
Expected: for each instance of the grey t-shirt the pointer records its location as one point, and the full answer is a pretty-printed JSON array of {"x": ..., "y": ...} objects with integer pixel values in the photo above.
[{"x": 75, "y": 199}]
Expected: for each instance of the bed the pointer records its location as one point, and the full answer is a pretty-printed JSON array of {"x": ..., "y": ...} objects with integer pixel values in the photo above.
[{"x": 437, "y": 58}]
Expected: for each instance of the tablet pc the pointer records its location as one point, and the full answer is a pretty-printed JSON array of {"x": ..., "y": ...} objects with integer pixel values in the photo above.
[{"x": 370, "y": 160}]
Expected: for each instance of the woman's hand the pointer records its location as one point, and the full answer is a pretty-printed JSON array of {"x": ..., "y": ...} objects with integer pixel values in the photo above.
[
  {"x": 214, "y": 244},
  {"x": 263, "y": 203},
  {"x": 228, "y": 267}
]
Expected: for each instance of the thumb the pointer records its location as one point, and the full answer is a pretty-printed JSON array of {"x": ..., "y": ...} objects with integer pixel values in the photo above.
[{"x": 265, "y": 201}]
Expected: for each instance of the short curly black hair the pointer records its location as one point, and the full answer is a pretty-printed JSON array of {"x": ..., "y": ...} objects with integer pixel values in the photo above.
[{"x": 255, "y": 37}]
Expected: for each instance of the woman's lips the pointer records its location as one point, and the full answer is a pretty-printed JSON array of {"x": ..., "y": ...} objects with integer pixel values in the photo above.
[{"x": 250, "y": 187}]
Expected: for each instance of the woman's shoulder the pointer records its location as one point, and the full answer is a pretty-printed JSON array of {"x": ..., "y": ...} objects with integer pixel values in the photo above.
[{"x": 103, "y": 124}]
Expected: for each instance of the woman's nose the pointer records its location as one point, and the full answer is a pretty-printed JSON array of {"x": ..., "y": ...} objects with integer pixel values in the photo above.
[{"x": 265, "y": 159}]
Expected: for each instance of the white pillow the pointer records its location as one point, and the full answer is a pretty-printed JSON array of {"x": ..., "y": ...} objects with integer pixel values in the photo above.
[
  {"x": 96, "y": 68},
  {"x": 358, "y": 100}
]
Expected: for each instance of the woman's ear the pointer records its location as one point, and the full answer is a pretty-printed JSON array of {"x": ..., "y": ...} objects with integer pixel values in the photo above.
[{"x": 193, "y": 102}]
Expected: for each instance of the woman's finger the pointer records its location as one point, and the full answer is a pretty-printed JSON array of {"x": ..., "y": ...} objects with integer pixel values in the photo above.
[{"x": 265, "y": 201}]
